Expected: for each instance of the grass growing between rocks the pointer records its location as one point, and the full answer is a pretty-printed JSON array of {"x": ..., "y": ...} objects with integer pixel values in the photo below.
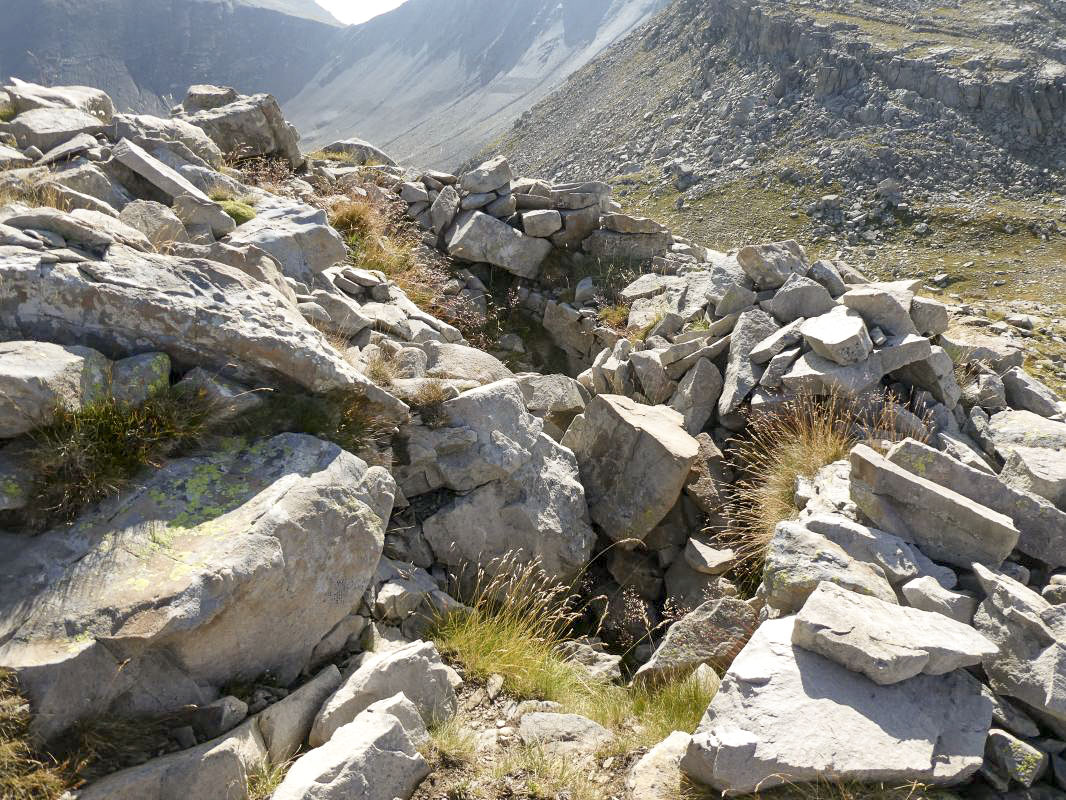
[
  {"x": 778, "y": 448},
  {"x": 85, "y": 455},
  {"x": 240, "y": 212},
  {"x": 265, "y": 779},
  {"x": 514, "y": 627},
  {"x": 24, "y": 774},
  {"x": 547, "y": 777},
  {"x": 365, "y": 229}
]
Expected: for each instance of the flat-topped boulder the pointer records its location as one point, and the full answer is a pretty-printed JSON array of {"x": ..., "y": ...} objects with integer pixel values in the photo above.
[{"x": 479, "y": 237}]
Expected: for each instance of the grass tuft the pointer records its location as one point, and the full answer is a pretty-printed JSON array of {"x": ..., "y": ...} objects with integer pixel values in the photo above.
[
  {"x": 23, "y": 774},
  {"x": 340, "y": 158},
  {"x": 265, "y": 779},
  {"x": 615, "y": 316},
  {"x": 428, "y": 403},
  {"x": 380, "y": 369},
  {"x": 451, "y": 742},
  {"x": 548, "y": 777},
  {"x": 34, "y": 195},
  {"x": 239, "y": 211},
  {"x": 85, "y": 455},
  {"x": 364, "y": 228}
]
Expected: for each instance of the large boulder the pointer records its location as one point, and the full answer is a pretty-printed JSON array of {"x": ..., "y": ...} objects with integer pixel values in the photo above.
[
  {"x": 215, "y": 567},
  {"x": 1030, "y": 633},
  {"x": 786, "y": 715},
  {"x": 634, "y": 461},
  {"x": 370, "y": 758},
  {"x": 479, "y": 237},
  {"x": 741, "y": 375},
  {"x": 886, "y": 642},
  {"x": 945, "y": 525},
  {"x": 36, "y": 377},
  {"x": 770, "y": 265},
  {"x": 250, "y": 126},
  {"x": 519, "y": 491},
  {"x": 362, "y": 153},
  {"x": 149, "y": 131},
  {"x": 457, "y": 361},
  {"x": 25, "y": 96},
  {"x": 297, "y": 236},
  {"x": 45, "y": 128},
  {"x": 198, "y": 312}
]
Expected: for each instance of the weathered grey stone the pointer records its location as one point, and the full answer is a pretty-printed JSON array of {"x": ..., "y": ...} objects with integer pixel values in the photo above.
[
  {"x": 45, "y": 128},
  {"x": 898, "y": 560},
  {"x": 657, "y": 775},
  {"x": 250, "y": 126},
  {"x": 776, "y": 342},
  {"x": 73, "y": 231},
  {"x": 946, "y": 525},
  {"x": 623, "y": 223},
  {"x": 712, "y": 634},
  {"x": 634, "y": 460},
  {"x": 155, "y": 221},
  {"x": 481, "y": 238},
  {"x": 1010, "y": 429},
  {"x": 1026, "y": 393},
  {"x": 839, "y": 336},
  {"x": 935, "y": 374},
  {"x": 1031, "y": 635},
  {"x": 541, "y": 223},
  {"x": 654, "y": 382},
  {"x": 787, "y": 715},
  {"x": 1042, "y": 527},
  {"x": 706, "y": 481},
  {"x": 146, "y": 130},
  {"x": 520, "y": 493},
  {"x": 697, "y": 395},
  {"x": 25, "y": 96},
  {"x": 709, "y": 560},
  {"x": 563, "y": 735},
  {"x": 826, "y": 273},
  {"x": 1018, "y": 760},
  {"x": 741, "y": 375},
  {"x": 816, "y": 375},
  {"x": 198, "y": 312},
  {"x": 135, "y": 378},
  {"x": 249, "y": 557},
  {"x": 89, "y": 179},
  {"x": 556, "y": 399},
  {"x": 444, "y": 209},
  {"x": 626, "y": 246},
  {"x": 36, "y": 377},
  {"x": 502, "y": 207},
  {"x": 799, "y": 559},
  {"x": 1037, "y": 470},
  {"x": 883, "y": 305},
  {"x": 457, "y": 361},
  {"x": 285, "y": 725},
  {"x": 930, "y": 316},
  {"x": 800, "y": 297},
  {"x": 769, "y": 265},
  {"x": 596, "y": 661},
  {"x": 413, "y": 192},
  {"x": 371, "y": 758},
  {"x": 415, "y": 669},
  {"x": 886, "y": 642},
  {"x": 927, "y": 594},
  {"x": 297, "y": 236},
  {"x": 966, "y": 345},
  {"x": 363, "y": 153},
  {"x": 10, "y": 158},
  {"x": 215, "y": 770},
  {"x": 488, "y": 177}
]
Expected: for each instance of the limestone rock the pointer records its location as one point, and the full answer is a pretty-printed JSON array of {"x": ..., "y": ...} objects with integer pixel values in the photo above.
[
  {"x": 371, "y": 758},
  {"x": 626, "y": 246},
  {"x": 488, "y": 177},
  {"x": 1009, "y": 429},
  {"x": 927, "y": 594},
  {"x": 457, "y": 361},
  {"x": 799, "y": 559},
  {"x": 363, "y": 153},
  {"x": 297, "y": 236},
  {"x": 286, "y": 724},
  {"x": 657, "y": 775},
  {"x": 817, "y": 375},
  {"x": 1031, "y": 636},
  {"x": 770, "y": 265},
  {"x": 966, "y": 345},
  {"x": 697, "y": 395},
  {"x": 1037, "y": 470},
  {"x": 250, "y": 126},
  {"x": 35, "y": 377},
  {"x": 787, "y": 715},
  {"x": 946, "y": 525},
  {"x": 155, "y": 221},
  {"x": 839, "y": 336},
  {"x": 45, "y": 128},
  {"x": 541, "y": 223},
  {"x": 481, "y": 238},
  {"x": 415, "y": 669},
  {"x": 26, "y": 96},
  {"x": 1018, "y": 760},
  {"x": 800, "y": 297},
  {"x": 883, "y": 305},
  {"x": 712, "y": 634},
  {"x": 563, "y": 735},
  {"x": 249, "y": 557},
  {"x": 146, "y": 130},
  {"x": 1041, "y": 526},
  {"x": 886, "y": 642},
  {"x": 1026, "y": 393},
  {"x": 741, "y": 375},
  {"x": 634, "y": 461}
]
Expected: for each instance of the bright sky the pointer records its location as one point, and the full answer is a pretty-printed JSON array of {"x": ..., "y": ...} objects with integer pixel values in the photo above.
[{"x": 355, "y": 11}]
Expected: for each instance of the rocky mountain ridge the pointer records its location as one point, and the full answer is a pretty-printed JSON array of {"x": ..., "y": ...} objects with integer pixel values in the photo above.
[{"x": 266, "y": 596}]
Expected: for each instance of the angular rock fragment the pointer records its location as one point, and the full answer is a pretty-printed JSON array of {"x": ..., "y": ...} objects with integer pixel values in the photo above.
[{"x": 481, "y": 238}]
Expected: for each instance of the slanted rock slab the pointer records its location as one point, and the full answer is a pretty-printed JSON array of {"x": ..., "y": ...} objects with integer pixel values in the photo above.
[{"x": 784, "y": 714}]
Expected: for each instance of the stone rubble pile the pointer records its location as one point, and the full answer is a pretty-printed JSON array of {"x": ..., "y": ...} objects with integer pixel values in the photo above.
[{"x": 908, "y": 625}]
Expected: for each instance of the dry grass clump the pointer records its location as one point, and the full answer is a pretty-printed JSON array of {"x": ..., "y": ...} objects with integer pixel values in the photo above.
[
  {"x": 548, "y": 777},
  {"x": 365, "y": 229},
  {"x": 265, "y": 779},
  {"x": 515, "y": 622},
  {"x": 796, "y": 440},
  {"x": 24, "y": 774},
  {"x": 451, "y": 742},
  {"x": 615, "y": 316},
  {"x": 33, "y": 194},
  {"x": 428, "y": 402},
  {"x": 380, "y": 369},
  {"x": 345, "y": 159},
  {"x": 85, "y": 455}
]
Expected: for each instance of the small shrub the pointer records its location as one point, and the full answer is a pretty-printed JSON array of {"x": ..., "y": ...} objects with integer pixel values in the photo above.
[
  {"x": 268, "y": 172},
  {"x": 265, "y": 779},
  {"x": 238, "y": 211},
  {"x": 364, "y": 228},
  {"x": 85, "y": 455},
  {"x": 428, "y": 403},
  {"x": 24, "y": 774}
]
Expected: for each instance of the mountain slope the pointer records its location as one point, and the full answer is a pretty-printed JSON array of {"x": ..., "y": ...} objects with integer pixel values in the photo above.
[
  {"x": 146, "y": 53},
  {"x": 432, "y": 81}
]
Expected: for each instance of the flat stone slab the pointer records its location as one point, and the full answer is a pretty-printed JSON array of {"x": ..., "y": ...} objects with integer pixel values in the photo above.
[
  {"x": 944, "y": 524},
  {"x": 479, "y": 237},
  {"x": 885, "y": 642},
  {"x": 784, "y": 714}
]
